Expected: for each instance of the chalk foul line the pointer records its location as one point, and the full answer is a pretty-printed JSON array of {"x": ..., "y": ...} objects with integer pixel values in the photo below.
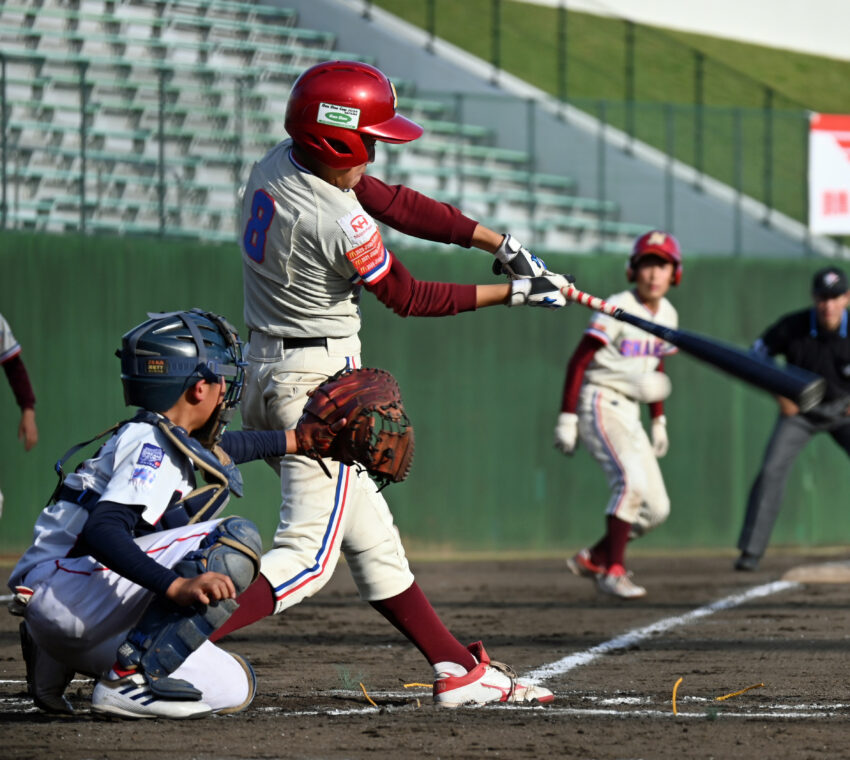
[{"x": 630, "y": 638}]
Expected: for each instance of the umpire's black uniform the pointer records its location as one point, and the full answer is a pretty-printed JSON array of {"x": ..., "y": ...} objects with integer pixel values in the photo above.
[{"x": 807, "y": 344}]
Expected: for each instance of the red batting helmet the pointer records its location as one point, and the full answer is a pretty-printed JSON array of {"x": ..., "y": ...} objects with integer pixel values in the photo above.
[
  {"x": 656, "y": 243},
  {"x": 332, "y": 104}
]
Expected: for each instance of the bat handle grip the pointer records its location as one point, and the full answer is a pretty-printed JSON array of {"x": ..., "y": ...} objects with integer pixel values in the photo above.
[{"x": 571, "y": 293}]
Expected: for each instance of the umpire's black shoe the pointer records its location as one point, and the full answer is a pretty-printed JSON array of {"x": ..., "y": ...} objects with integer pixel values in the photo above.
[{"x": 747, "y": 562}]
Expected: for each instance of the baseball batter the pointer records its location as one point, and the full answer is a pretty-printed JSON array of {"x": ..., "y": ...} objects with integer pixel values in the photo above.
[
  {"x": 129, "y": 571},
  {"x": 614, "y": 369},
  {"x": 310, "y": 246},
  {"x": 16, "y": 373}
]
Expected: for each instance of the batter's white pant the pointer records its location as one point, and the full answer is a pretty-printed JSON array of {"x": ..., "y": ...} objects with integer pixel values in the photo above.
[
  {"x": 80, "y": 613},
  {"x": 610, "y": 427},
  {"x": 319, "y": 516}
]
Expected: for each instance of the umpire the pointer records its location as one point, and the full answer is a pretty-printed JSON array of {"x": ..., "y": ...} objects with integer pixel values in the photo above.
[{"x": 815, "y": 339}]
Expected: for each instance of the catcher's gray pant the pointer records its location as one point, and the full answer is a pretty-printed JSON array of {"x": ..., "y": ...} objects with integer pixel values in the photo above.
[
  {"x": 790, "y": 435},
  {"x": 319, "y": 516},
  {"x": 80, "y": 612}
]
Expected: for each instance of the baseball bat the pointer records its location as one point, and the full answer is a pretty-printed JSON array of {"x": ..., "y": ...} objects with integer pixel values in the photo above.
[{"x": 804, "y": 388}]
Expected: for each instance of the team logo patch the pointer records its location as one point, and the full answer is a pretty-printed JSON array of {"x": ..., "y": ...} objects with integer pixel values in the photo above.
[
  {"x": 358, "y": 226},
  {"x": 368, "y": 256},
  {"x": 143, "y": 478},
  {"x": 338, "y": 116},
  {"x": 150, "y": 456}
]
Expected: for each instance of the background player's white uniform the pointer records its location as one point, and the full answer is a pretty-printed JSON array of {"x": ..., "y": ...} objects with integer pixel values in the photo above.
[
  {"x": 307, "y": 245},
  {"x": 9, "y": 348},
  {"x": 80, "y": 611},
  {"x": 609, "y": 420}
]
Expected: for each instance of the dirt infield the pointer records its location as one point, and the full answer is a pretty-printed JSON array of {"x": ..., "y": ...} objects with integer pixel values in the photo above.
[{"x": 718, "y": 630}]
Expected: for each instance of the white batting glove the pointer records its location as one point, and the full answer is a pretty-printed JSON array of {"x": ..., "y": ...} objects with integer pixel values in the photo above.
[
  {"x": 516, "y": 261},
  {"x": 660, "y": 442},
  {"x": 566, "y": 433},
  {"x": 541, "y": 291}
]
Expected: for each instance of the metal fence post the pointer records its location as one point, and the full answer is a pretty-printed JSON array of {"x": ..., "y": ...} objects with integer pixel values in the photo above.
[
  {"x": 531, "y": 148},
  {"x": 5, "y": 205},
  {"x": 699, "y": 63},
  {"x": 431, "y": 24},
  {"x": 669, "y": 195},
  {"x": 739, "y": 179},
  {"x": 561, "y": 57},
  {"x": 768, "y": 153},
  {"x": 600, "y": 171},
  {"x": 84, "y": 97},
  {"x": 161, "y": 156},
  {"x": 496, "y": 38},
  {"x": 807, "y": 217},
  {"x": 630, "y": 80}
]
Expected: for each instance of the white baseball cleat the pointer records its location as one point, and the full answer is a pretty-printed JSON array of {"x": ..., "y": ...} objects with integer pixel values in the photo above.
[
  {"x": 617, "y": 582},
  {"x": 486, "y": 682},
  {"x": 131, "y": 697},
  {"x": 583, "y": 566}
]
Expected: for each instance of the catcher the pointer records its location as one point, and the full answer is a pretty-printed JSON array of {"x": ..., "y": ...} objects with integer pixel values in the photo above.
[{"x": 131, "y": 569}]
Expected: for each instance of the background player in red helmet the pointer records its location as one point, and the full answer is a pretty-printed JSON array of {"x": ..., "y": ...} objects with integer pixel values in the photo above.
[
  {"x": 614, "y": 369},
  {"x": 310, "y": 245}
]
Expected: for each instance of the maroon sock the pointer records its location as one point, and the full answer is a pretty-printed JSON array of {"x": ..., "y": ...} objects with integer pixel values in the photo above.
[
  {"x": 255, "y": 603},
  {"x": 618, "y": 537},
  {"x": 413, "y": 615},
  {"x": 599, "y": 553}
]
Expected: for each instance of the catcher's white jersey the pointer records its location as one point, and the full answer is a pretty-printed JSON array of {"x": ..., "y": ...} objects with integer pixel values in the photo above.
[
  {"x": 305, "y": 247},
  {"x": 8, "y": 345},
  {"x": 628, "y": 350},
  {"x": 138, "y": 466}
]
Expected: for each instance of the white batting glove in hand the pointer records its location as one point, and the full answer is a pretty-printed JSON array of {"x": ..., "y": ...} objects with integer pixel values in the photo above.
[
  {"x": 566, "y": 433},
  {"x": 541, "y": 291},
  {"x": 660, "y": 442},
  {"x": 516, "y": 261}
]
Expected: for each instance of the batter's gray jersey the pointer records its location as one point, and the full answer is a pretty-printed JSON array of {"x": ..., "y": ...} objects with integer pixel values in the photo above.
[{"x": 306, "y": 246}]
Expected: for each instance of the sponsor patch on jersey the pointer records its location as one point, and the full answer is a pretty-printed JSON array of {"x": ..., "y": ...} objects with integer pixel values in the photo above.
[
  {"x": 338, "y": 116},
  {"x": 370, "y": 260},
  {"x": 358, "y": 226},
  {"x": 150, "y": 456}
]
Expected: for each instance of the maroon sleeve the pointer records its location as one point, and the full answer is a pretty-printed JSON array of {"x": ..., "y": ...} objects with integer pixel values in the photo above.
[
  {"x": 414, "y": 214},
  {"x": 656, "y": 408},
  {"x": 581, "y": 357},
  {"x": 408, "y": 297},
  {"x": 16, "y": 372}
]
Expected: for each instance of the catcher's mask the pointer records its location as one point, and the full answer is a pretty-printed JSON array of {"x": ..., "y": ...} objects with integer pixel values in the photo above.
[
  {"x": 333, "y": 103},
  {"x": 171, "y": 351}
]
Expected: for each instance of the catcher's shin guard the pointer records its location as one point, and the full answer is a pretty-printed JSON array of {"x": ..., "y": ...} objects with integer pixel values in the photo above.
[{"x": 166, "y": 635}]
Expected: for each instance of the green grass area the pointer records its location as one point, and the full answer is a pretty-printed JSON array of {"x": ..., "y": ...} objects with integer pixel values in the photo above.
[{"x": 732, "y": 136}]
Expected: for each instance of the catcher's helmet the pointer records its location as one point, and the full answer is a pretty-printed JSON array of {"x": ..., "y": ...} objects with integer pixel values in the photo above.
[
  {"x": 656, "y": 243},
  {"x": 332, "y": 104},
  {"x": 165, "y": 355}
]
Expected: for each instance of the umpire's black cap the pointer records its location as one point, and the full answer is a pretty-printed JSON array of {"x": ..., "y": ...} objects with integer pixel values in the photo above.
[{"x": 829, "y": 283}]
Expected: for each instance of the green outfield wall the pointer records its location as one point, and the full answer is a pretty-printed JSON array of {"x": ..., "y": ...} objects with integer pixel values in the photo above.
[{"x": 482, "y": 389}]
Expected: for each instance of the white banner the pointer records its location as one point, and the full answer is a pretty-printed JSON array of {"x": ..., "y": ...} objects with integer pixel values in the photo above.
[{"x": 829, "y": 174}]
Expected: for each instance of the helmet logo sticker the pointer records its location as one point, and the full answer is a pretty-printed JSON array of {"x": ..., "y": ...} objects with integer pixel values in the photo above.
[
  {"x": 155, "y": 366},
  {"x": 338, "y": 116},
  {"x": 657, "y": 238}
]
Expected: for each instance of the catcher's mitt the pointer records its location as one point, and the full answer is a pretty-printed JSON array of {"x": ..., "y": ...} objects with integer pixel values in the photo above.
[{"x": 356, "y": 416}]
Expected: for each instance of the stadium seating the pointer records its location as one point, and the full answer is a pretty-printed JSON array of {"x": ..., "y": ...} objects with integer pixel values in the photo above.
[{"x": 181, "y": 96}]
